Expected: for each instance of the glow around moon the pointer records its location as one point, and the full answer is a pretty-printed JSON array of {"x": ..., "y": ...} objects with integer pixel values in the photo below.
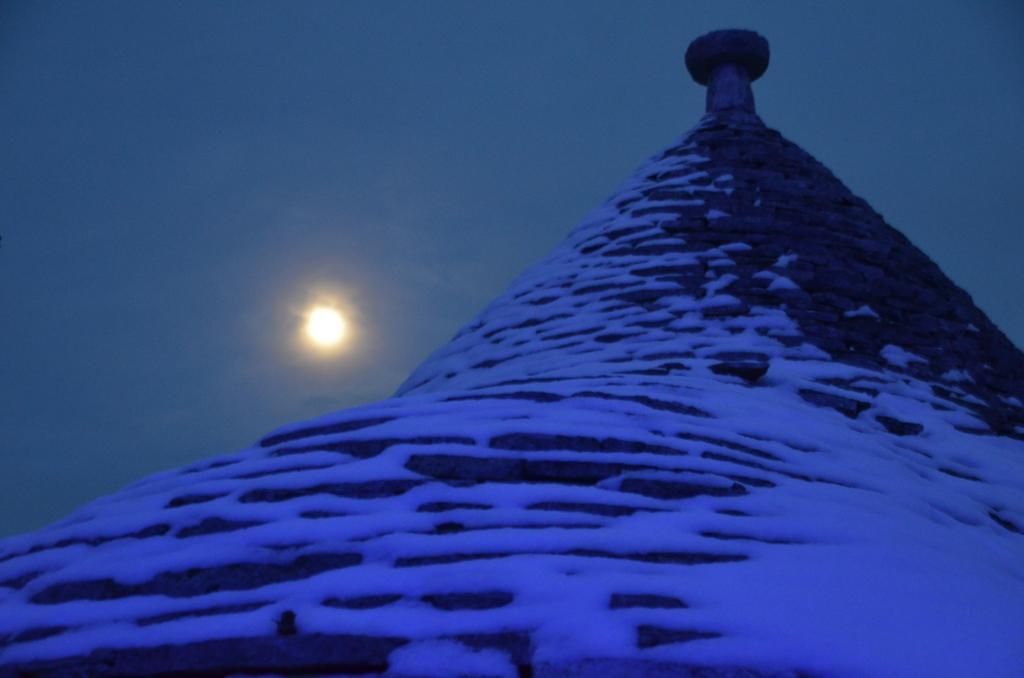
[{"x": 325, "y": 326}]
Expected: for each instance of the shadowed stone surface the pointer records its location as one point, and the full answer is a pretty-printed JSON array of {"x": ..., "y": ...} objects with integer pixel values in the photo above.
[
  {"x": 196, "y": 581},
  {"x": 300, "y": 654},
  {"x": 627, "y": 600}
]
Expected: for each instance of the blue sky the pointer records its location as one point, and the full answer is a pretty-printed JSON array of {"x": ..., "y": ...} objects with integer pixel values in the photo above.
[{"x": 180, "y": 180}]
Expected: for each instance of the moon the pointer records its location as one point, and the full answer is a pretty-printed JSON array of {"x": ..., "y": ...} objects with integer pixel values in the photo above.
[{"x": 325, "y": 326}]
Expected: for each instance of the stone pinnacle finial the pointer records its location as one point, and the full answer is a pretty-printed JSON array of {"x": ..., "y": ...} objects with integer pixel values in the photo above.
[{"x": 727, "y": 62}]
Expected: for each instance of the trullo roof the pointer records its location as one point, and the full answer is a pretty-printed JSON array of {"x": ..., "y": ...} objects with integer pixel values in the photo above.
[{"x": 735, "y": 424}]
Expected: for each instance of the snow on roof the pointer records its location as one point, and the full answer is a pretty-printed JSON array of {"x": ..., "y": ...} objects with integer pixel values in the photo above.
[{"x": 648, "y": 452}]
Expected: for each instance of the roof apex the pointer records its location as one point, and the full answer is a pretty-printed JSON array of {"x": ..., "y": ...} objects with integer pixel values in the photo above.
[{"x": 727, "y": 61}]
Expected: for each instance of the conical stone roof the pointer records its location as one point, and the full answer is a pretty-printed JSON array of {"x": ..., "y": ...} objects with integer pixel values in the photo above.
[{"x": 735, "y": 424}]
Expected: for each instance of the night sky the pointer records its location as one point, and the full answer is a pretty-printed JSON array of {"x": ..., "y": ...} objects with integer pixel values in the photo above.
[{"x": 179, "y": 181}]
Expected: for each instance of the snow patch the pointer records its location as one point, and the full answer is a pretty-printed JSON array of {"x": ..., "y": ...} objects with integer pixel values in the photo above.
[
  {"x": 899, "y": 357},
  {"x": 864, "y": 311},
  {"x": 781, "y": 282},
  {"x": 720, "y": 283},
  {"x": 957, "y": 375}
]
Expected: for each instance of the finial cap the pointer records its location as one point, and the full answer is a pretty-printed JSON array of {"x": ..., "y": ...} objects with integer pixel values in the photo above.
[{"x": 734, "y": 46}]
